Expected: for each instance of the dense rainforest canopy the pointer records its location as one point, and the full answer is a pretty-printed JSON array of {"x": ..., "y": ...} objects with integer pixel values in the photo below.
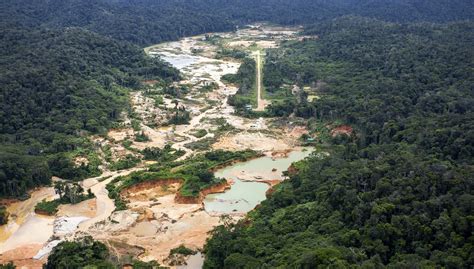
[
  {"x": 408, "y": 83},
  {"x": 148, "y": 22},
  {"x": 398, "y": 191},
  {"x": 87, "y": 253}
]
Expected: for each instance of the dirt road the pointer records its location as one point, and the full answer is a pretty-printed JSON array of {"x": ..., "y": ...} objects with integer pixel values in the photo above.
[{"x": 105, "y": 205}]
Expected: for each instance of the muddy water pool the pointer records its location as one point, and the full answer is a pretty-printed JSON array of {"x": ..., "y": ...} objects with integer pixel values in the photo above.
[{"x": 247, "y": 192}]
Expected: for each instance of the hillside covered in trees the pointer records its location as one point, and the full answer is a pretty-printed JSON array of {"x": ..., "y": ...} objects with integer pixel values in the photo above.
[
  {"x": 58, "y": 86},
  {"x": 146, "y": 22},
  {"x": 87, "y": 253},
  {"x": 396, "y": 192}
]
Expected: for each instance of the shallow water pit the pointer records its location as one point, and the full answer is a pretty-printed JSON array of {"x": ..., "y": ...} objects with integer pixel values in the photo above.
[{"x": 251, "y": 182}]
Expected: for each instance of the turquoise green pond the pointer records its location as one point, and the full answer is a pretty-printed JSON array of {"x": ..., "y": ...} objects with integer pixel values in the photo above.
[{"x": 246, "y": 192}]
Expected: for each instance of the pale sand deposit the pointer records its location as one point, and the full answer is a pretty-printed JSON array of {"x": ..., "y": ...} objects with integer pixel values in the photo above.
[
  {"x": 23, "y": 218},
  {"x": 87, "y": 208},
  {"x": 251, "y": 140}
]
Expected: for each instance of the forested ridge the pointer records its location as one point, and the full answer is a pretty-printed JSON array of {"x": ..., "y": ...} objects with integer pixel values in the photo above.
[
  {"x": 398, "y": 191},
  {"x": 138, "y": 22},
  {"x": 57, "y": 87},
  {"x": 147, "y": 22}
]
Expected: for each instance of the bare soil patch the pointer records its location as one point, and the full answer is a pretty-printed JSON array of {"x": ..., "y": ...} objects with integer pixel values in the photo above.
[
  {"x": 87, "y": 208},
  {"x": 252, "y": 140},
  {"x": 22, "y": 257},
  {"x": 149, "y": 191},
  {"x": 342, "y": 130}
]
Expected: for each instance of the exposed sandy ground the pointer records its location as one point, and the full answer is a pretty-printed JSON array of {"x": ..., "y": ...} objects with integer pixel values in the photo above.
[
  {"x": 86, "y": 208},
  {"x": 152, "y": 193},
  {"x": 105, "y": 206},
  {"x": 157, "y": 138},
  {"x": 246, "y": 44},
  {"x": 171, "y": 225},
  {"x": 80, "y": 160},
  {"x": 145, "y": 107},
  {"x": 120, "y": 134},
  {"x": 342, "y": 130},
  {"x": 270, "y": 177},
  {"x": 30, "y": 229},
  {"x": 240, "y": 43},
  {"x": 21, "y": 212},
  {"x": 296, "y": 132},
  {"x": 256, "y": 141},
  {"x": 35, "y": 230},
  {"x": 23, "y": 256},
  {"x": 155, "y": 222},
  {"x": 267, "y": 44}
]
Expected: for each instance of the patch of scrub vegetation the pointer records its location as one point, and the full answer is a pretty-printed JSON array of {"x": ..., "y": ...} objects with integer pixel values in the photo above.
[
  {"x": 85, "y": 160},
  {"x": 127, "y": 144},
  {"x": 182, "y": 250},
  {"x": 245, "y": 79},
  {"x": 128, "y": 162},
  {"x": 214, "y": 121},
  {"x": 224, "y": 53},
  {"x": 3, "y": 215},
  {"x": 209, "y": 87},
  {"x": 214, "y": 39},
  {"x": 202, "y": 144},
  {"x": 167, "y": 154},
  {"x": 221, "y": 123},
  {"x": 199, "y": 133},
  {"x": 9, "y": 265},
  {"x": 147, "y": 265},
  {"x": 158, "y": 99},
  {"x": 196, "y": 173},
  {"x": 103, "y": 178},
  {"x": 141, "y": 137},
  {"x": 222, "y": 128},
  {"x": 320, "y": 132},
  {"x": 136, "y": 125},
  {"x": 179, "y": 116},
  {"x": 176, "y": 91},
  {"x": 178, "y": 255},
  {"x": 206, "y": 143},
  {"x": 79, "y": 162},
  {"x": 69, "y": 193},
  {"x": 48, "y": 207},
  {"x": 88, "y": 253}
]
